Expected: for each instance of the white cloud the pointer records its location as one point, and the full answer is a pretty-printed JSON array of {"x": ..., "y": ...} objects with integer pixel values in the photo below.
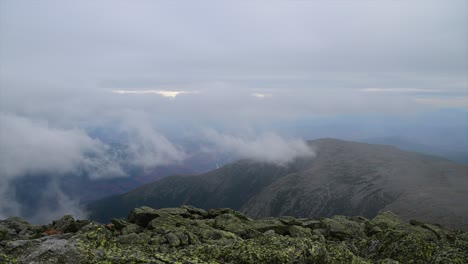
[
  {"x": 268, "y": 147},
  {"x": 164, "y": 93},
  {"x": 262, "y": 95},
  {"x": 146, "y": 146},
  {"x": 29, "y": 146}
]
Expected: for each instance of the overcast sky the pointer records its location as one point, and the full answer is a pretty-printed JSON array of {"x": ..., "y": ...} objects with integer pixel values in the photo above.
[
  {"x": 76, "y": 65},
  {"x": 64, "y": 59}
]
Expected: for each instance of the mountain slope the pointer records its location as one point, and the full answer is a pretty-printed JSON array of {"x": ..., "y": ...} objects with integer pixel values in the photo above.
[{"x": 345, "y": 177}]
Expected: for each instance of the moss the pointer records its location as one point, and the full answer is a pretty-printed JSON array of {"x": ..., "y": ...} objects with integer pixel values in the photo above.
[
  {"x": 7, "y": 259},
  {"x": 221, "y": 236}
]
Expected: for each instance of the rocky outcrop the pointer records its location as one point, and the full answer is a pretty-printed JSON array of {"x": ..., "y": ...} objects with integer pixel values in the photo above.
[{"x": 191, "y": 235}]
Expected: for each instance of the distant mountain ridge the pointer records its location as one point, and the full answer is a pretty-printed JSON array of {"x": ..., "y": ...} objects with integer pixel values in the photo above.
[
  {"x": 457, "y": 153},
  {"x": 346, "y": 178}
]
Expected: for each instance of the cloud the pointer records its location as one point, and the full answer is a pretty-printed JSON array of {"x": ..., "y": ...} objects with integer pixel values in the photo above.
[
  {"x": 268, "y": 147},
  {"x": 262, "y": 95},
  {"x": 8, "y": 204},
  {"x": 400, "y": 90},
  {"x": 30, "y": 146},
  {"x": 458, "y": 102},
  {"x": 53, "y": 204},
  {"x": 146, "y": 147},
  {"x": 164, "y": 93}
]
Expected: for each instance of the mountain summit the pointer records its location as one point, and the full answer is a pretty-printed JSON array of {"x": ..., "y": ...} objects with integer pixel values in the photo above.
[
  {"x": 345, "y": 178},
  {"x": 192, "y": 235}
]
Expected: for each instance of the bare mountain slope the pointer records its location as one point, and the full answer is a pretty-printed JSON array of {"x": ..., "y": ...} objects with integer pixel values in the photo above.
[
  {"x": 362, "y": 179},
  {"x": 345, "y": 177}
]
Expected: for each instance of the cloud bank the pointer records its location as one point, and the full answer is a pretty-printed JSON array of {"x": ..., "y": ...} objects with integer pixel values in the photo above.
[
  {"x": 36, "y": 149},
  {"x": 268, "y": 147},
  {"x": 164, "y": 93},
  {"x": 29, "y": 146},
  {"x": 147, "y": 147}
]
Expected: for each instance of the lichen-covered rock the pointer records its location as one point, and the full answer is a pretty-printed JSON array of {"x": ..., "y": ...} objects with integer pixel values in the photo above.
[
  {"x": 342, "y": 228},
  {"x": 120, "y": 224},
  {"x": 67, "y": 224},
  {"x": 266, "y": 224},
  {"x": 143, "y": 215},
  {"x": 191, "y": 235}
]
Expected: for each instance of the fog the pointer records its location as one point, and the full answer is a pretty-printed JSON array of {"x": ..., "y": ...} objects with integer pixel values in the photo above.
[{"x": 253, "y": 79}]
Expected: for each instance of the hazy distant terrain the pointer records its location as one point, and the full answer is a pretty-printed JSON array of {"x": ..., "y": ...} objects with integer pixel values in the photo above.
[
  {"x": 458, "y": 153},
  {"x": 344, "y": 178}
]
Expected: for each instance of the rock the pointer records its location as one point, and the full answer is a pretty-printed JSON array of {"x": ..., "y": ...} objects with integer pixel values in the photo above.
[
  {"x": 143, "y": 215},
  {"x": 341, "y": 228},
  {"x": 67, "y": 224},
  {"x": 288, "y": 220},
  {"x": 213, "y": 213},
  {"x": 386, "y": 220},
  {"x": 6, "y": 233},
  {"x": 175, "y": 211},
  {"x": 131, "y": 228},
  {"x": 195, "y": 211},
  {"x": 63, "y": 223},
  {"x": 54, "y": 250},
  {"x": 191, "y": 235},
  {"x": 167, "y": 222},
  {"x": 274, "y": 224},
  {"x": 299, "y": 231},
  {"x": 312, "y": 224},
  {"x": 119, "y": 224},
  {"x": 134, "y": 239},
  {"x": 232, "y": 223},
  {"x": 15, "y": 223},
  {"x": 173, "y": 240}
]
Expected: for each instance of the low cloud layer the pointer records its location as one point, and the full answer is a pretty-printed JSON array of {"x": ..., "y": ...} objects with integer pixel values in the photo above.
[
  {"x": 270, "y": 148},
  {"x": 164, "y": 93},
  {"x": 34, "y": 148},
  {"x": 30, "y": 146},
  {"x": 147, "y": 147}
]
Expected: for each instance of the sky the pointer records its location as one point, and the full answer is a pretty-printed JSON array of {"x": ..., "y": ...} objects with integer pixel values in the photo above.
[{"x": 252, "y": 78}]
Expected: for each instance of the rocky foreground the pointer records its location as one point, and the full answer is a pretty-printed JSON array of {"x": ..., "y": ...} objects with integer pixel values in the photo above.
[{"x": 192, "y": 235}]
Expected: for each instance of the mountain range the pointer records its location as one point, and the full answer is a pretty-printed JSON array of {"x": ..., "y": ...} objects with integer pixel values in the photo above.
[{"x": 344, "y": 178}]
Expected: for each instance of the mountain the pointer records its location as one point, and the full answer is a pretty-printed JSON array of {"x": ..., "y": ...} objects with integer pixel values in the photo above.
[
  {"x": 345, "y": 178},
  {"x": 193, "y": 235},
  {"x": 457, "y": 153}
]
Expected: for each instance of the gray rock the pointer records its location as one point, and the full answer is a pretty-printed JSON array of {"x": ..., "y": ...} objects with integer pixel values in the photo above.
[
  {"x": 63, "y": 224},
  {"x": 54, "y": 250},
  {"x": 341, "y": 228},
  {"x": 131, "y": 228},
  {"x": 299, "y": 231},
  {"x": 143, "y": 215},
  {"x": 173, "y": 240},
  {"x": 119, "y": 224}
]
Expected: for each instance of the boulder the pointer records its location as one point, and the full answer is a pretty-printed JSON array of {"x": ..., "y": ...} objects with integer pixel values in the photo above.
[
  {"x": 342, "y": 228},
  {"x": 191, "y": 235},
  {"x": 143, "y": 215}
]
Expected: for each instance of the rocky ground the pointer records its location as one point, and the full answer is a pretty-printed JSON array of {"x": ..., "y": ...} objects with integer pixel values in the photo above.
[{"x": 192, "y": 235}]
